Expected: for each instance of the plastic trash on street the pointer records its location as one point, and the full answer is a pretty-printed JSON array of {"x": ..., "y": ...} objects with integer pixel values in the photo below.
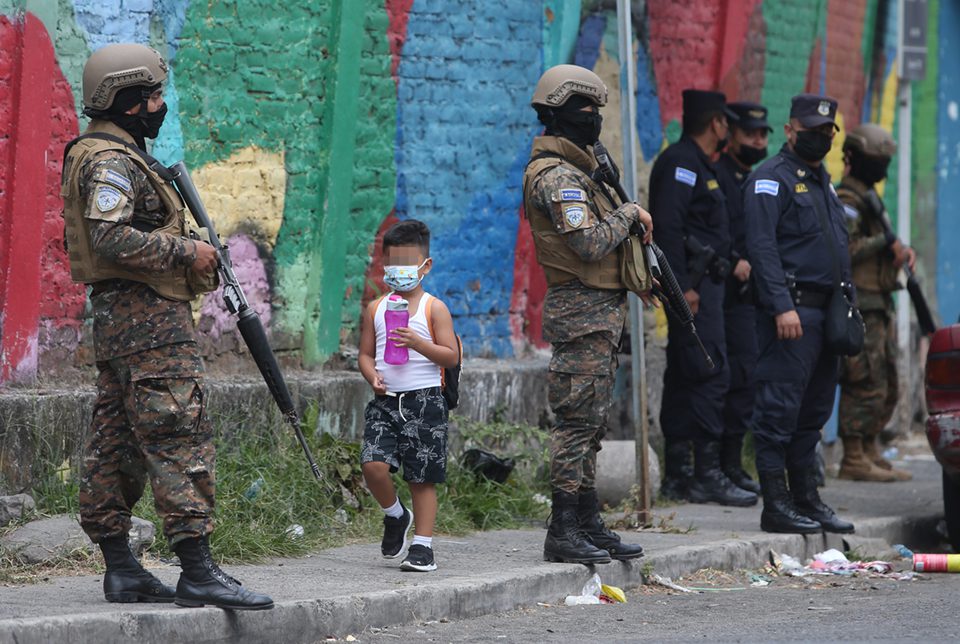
[{"x": 596, "y": 592}]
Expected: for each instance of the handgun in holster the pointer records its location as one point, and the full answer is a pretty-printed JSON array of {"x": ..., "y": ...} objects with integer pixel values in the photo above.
[{"x": 703, "y": 260}]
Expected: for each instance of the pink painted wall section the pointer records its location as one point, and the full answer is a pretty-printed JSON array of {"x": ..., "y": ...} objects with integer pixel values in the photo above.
[
  {"x": 215, "y": 320},
  {"x": 37, "y": 133}
]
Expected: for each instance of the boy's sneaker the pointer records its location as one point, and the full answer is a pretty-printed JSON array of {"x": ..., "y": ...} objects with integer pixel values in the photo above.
[
  {"x": 419, "y": 558},
  {"x": 395, "y": 531}
]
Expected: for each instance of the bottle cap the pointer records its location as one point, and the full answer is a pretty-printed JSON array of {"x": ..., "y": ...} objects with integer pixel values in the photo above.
[{"x": 397, "y": 303}]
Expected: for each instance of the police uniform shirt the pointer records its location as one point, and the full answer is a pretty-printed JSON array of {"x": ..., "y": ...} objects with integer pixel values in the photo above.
[
  {"x": 686, "y": 199},
  {"x": 732, "y": 177},
  {"x": 783, "y": 230}
]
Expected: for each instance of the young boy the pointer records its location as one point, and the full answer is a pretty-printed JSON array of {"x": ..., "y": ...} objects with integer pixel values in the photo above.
[{"x": 406, "y": 422}]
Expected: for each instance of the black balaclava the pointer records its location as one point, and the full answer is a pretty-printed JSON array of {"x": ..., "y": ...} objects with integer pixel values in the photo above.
[
  {"x": 144, "y": 124},
  {"x": 868, "y": 169},
  {"x": 581, "y": 128}
]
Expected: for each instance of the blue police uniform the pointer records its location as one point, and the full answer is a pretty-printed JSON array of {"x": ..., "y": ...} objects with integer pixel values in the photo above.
[
  {"x": 686, "y": 200},
  {"x": 792, "y": 267}
]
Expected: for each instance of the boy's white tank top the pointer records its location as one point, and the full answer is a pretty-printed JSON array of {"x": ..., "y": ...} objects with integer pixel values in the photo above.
[{"x": 419, "y": 372}]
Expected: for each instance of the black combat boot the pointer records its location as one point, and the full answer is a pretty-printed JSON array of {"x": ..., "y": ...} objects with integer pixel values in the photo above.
[
  {"x": 731, "y": 462},
  {"x": 779, "y": 513},
  {"x": 591, "y": 523},
  {"x": 678, "y": 472},
  {"x": 565, "y": 542},
  {"x": 710, "y": 484},
  {"x": 202, "y": 582},
  {"x": 806, "y": 498},
  {"x": 126, "y": 581}
]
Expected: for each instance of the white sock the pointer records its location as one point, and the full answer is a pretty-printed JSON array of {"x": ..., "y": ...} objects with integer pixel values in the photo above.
[
  {"x": 395, "y": 511},
  {"x": 423, "y": 541}
]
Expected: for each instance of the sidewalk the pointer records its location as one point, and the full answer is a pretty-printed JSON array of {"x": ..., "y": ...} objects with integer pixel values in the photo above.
[{"x": 343, "y": 590}]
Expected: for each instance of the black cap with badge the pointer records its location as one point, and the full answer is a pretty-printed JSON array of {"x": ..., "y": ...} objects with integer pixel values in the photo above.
[
  {"x": 749, "y": 116},
  {"x": 813, "y": 110},
  {"x": 698, "y": 101}
]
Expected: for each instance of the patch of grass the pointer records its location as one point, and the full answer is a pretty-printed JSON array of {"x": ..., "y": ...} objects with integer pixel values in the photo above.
[{"x": 264, "y": 487}]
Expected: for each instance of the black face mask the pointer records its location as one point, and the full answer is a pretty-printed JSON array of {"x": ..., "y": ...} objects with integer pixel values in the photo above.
[
  {"x": 581, "y": 128},
  {"x": 869, "y": 170},
  {"x": 722, "y": 144},
  {"x": 749, "y": 155},
  {"x": 143, "y": 125},
  {"x": 812, "y": 146},
  {"x": 152, "y": 121}
]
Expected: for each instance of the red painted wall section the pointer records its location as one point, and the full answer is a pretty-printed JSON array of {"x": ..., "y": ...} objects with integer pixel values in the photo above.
[
  {"x": 685, "y": 48},
  {"x": 10, "y": 44},
  {"x": 529, "y": 289},
  {"x": 398, "y": 12},
  {"x": 845, "y": 73},
  {"x": 27, "y": 201},
  {"x": 744, "y": 46}
]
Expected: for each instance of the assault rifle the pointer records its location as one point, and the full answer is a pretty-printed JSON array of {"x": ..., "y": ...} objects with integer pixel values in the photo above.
[
  {"x": 669, "y": 291},
  {"x": 924, "y": 316},
  {"x": 248, "y": 321}
]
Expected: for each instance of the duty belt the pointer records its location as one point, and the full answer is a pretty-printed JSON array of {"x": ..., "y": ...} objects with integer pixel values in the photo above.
[{"x": 814, "y": 296}]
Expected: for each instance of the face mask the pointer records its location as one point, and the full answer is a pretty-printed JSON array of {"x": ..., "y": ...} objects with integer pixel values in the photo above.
[
  {"x": 749, "y": 155},
  {"x": 869, "y": 170},
  {"x": 722, "y": 144},
  {"x": 402, "y": 278},
  {"x": 582, "y": 128},
  {"x": 141, "y": 127},
  {"x": 152, "y": 121},
  {"x": 812, "y": 146}
]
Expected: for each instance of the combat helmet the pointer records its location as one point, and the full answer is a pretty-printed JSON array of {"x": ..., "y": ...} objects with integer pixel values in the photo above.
[
  {"x": 870, "y": 139},
  {"x": 560, "y": 82},
  {"x": 114, "y": 67}
]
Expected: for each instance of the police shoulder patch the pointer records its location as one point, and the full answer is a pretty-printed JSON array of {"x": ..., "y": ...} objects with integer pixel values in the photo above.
[
  {"x": 107, "y": 198},
  {"x": 683, "y": 175},
  {"x": 572, "y": 194},
  {"x": 850, "y": 211},
  {"x": 766, "y": 187},
  {"x": 574, "y": 216}
]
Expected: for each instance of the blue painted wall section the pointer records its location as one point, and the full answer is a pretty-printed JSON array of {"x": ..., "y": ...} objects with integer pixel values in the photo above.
[{"x": 948, "y": 169}]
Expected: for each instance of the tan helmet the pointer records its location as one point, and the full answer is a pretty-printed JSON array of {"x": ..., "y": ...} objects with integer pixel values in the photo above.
[
  {"x": 561, "y": 82},
  {"x": 870, "y": 139},
  {"x": 111, "y": 68}
]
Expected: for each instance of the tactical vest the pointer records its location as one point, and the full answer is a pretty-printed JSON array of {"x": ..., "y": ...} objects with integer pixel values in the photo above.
[
  {"x": 86, "y": 266},
  {"x": 560, "y": 263},
  {"x": 875, "y": 274}
]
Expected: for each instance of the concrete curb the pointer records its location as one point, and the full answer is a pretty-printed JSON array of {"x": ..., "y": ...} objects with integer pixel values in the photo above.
[{"x": 453, "y": 598}]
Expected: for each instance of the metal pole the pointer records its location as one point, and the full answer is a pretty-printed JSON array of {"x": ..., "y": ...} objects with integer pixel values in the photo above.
[
  {"x": 904, "y": 194},
  {"x": 638, "y": 371}
]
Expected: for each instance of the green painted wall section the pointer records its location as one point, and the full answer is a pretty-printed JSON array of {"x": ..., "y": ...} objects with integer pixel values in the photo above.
[{"x": 924, "y": 160}]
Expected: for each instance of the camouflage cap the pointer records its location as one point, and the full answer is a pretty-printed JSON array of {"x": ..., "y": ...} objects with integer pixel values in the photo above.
[
  {"x": 114, "y": 67},
  {"x": 560, "y": 82}
]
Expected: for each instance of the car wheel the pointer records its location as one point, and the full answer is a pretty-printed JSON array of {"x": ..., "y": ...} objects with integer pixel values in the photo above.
[{"x": 951, "y": 509}]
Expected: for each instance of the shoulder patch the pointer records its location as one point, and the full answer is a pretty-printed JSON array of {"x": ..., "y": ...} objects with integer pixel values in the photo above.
[
  {"x": 850, "y": 211},
  {"x": 683, "y": 175},
  {"x": 832, "y": 189},
  {"x": 572, "y": 194},
  {"x": 107, "y": 198},
  {"x": 766, "y": 187},
  {"x": 574, "y": 216},
  {"x": 115, "y": 178}
]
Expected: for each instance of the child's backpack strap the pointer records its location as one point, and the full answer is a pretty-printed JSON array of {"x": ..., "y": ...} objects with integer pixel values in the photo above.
[{"x": 451, "y": 388}]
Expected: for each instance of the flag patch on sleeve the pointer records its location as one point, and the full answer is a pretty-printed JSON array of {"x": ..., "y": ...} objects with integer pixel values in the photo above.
[
  {"x": 683, "y": 175},
  {"x": 572, "y": 194},
  {"x": 766, "y": 187},
  {"x": 851, "y": 211},
  {"x": 117, "y": 179}
]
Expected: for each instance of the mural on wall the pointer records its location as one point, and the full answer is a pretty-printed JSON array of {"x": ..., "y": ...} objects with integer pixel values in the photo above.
[{"x": 311, "y": 130}]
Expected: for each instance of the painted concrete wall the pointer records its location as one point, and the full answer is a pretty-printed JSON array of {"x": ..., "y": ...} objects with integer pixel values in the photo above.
[{"x": 310, "y": 127}]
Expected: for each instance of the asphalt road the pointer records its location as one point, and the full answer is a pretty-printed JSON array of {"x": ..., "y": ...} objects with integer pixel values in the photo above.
[{"x": 821, "y": 609}]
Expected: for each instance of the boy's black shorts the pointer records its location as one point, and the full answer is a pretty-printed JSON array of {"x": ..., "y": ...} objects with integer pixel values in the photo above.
[{"x": 409, "y": 429}]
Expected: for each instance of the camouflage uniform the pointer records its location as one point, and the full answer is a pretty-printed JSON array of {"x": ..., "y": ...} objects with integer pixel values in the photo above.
[
  {"x": 868, "y": 380},
  {"x": 149, "y": 417},
  {"x": 583, "y": 323}
]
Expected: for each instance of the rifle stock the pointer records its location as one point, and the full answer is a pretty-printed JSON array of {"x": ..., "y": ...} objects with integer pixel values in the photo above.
[
  {"x": 248, "y": 321},
  {"x": 669, "y": 291}
]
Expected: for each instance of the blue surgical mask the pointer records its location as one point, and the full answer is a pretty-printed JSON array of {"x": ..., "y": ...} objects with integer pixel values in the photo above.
[{"x": 402, "y": 278}]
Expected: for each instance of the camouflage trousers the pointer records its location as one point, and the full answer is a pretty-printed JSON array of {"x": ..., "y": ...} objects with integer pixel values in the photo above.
[
  {"x": 868, "y": 381},
  {"x": 149, "y": 420},
  {"x": 580, "y": 388}
]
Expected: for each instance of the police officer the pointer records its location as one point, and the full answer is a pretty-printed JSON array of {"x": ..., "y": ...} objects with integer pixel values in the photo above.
[
  {"x": 126, "y": 237},
  {"x": 578, "y": 224},
  {"x": 693, "y": 229},
  {"x": 749, "y": 132},
  {"x": 868, "y": 380},
  {"x": 784, "y": 201}
]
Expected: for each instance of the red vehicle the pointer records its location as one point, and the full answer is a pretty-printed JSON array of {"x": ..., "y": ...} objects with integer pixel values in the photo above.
[{"x": 942, "y": 380}]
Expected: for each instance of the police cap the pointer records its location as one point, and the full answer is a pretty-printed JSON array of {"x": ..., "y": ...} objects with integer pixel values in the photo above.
[
  {"x": 697, "y": 102},
  {"x": 813, "y": 110},
  {"x": 749, "y": 116}
]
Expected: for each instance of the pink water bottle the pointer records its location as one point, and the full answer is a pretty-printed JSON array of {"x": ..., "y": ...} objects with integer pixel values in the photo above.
[{"x": 395, "y": 316}]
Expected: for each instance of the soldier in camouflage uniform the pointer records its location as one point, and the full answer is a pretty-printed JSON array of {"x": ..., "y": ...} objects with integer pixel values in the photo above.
[
  {"x": 868, "y": 380},
  {"x": 127, "y": 238},
  {"x": 578, "y": 225}
]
